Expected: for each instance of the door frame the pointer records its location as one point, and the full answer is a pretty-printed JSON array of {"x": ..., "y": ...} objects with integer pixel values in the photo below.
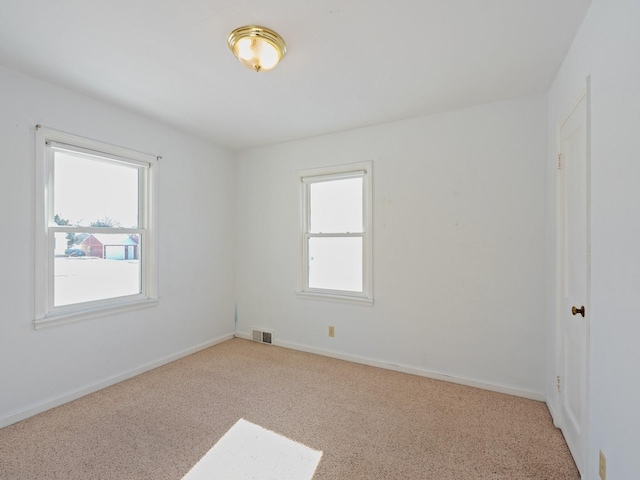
[{"x": 584, "y": 93}]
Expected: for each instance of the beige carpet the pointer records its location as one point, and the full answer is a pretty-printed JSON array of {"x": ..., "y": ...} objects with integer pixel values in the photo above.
[{"x": 369, "y": 423}]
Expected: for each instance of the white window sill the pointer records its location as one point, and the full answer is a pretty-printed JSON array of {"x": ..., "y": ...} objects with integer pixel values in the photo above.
[
  {"x": 333, "y": 297},
  {"x": 54, "y": 320}
]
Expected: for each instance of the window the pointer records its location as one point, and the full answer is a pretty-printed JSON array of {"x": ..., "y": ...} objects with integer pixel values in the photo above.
[
  {"x": 95, "y": 224},
  {"x": 336, "y": 233}
]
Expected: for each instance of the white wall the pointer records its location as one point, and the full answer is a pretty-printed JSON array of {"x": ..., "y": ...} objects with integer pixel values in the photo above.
[
  {"x": 459, "y": 247},
  {"x": 607, "y": 48},
  {"x": 41, "y": 368}
]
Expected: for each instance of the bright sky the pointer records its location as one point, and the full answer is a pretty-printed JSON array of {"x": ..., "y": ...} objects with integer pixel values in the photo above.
[
  {"x": 86, "y": 190},
  {"x": 336, "y": 206}
]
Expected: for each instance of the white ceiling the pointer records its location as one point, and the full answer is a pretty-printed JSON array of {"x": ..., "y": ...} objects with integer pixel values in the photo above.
[{"x": 350, "y": 63}]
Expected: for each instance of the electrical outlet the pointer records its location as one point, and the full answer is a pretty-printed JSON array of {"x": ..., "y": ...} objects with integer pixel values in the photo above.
[
  {"x": 332, "y": 331},
  {"x": 603, "y": 466}
]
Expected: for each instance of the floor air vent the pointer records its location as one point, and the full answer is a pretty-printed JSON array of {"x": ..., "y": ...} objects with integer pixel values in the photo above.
[{"x": 262, "y": 336}]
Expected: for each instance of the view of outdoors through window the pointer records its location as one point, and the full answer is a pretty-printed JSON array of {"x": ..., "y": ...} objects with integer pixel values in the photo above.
[
  {"x": 95, "y": 192},
  {"x": 335, "y": 248}
]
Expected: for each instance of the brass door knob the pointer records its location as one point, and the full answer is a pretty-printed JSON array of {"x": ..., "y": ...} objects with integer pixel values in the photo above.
[{"x": 575, "y": 310}]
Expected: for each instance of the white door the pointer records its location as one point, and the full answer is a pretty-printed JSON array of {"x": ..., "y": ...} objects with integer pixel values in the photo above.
[{"x": 573, "y": 279}]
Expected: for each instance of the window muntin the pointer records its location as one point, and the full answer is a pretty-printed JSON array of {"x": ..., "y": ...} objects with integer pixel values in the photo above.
[
  {"x": 336, "y": 250},
  {"x": 96, "y": 209}
]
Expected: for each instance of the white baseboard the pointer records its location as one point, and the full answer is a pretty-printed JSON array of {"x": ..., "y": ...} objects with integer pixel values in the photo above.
[
  {"x": 58, "y": 400},
  {"x": 518, "y": 392},
  {"x": 552, "y": 411}
]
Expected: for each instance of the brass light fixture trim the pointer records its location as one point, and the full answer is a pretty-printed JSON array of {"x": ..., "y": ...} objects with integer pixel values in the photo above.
[{"x": 258, "y": 48}]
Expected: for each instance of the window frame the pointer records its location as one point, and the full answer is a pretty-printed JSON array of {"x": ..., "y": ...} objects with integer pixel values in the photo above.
[
  {"x": 48, "y": 141},
  {"x": 307, "y": 177}
]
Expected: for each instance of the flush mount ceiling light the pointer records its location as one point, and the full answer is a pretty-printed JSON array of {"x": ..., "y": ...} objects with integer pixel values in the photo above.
[{"x": 257, "y": 48}]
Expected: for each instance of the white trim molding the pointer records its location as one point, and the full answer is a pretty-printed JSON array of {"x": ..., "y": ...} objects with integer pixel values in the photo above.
[
  {"x": 308, "y": 177},
  {"x": 422, "y": 372},
  {"x": 49, "y": 143},
  {"x": 49, "y": 403},
  {"x": 581, "y": 459}
]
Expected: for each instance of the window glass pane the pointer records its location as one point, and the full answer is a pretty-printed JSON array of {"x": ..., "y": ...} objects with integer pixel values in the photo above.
[
  {"x": 335, "y": 263},
  {"x": 90, "y": 267},
  {"x": 336, "y": 206},
  {"x": 92, "y": 192}
]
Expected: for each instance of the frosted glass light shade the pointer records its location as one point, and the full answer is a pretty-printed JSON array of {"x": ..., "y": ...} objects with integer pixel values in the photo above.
[{"x": 257, "y": 48}]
